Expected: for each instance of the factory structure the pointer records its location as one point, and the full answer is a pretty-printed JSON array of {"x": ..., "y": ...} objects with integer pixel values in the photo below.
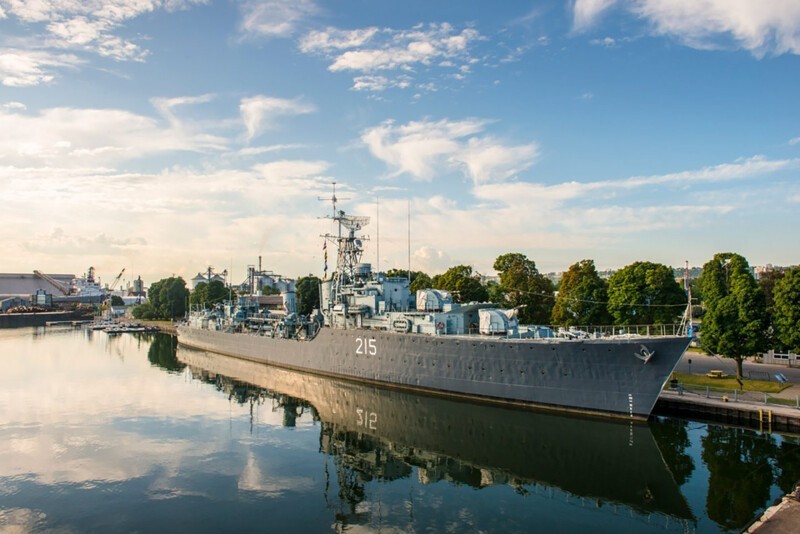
[{"x": 42, "y": 290}]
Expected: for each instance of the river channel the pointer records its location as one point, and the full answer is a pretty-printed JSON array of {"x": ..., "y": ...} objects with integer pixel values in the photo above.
[{"x": 131, "y": 433}]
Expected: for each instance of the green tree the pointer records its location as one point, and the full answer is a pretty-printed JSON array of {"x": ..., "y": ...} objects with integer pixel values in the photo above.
[
  {"x": 767, "y": 283},
  {"x": 419, "y": 280},
  {"x": 270, "y": 290},
  {"x": 144, "y": 311},
  {"x": 217, "y": 292},
  {"x": 206, "y": 295},
  {"x": 735, "y": 321},
  {"x": 462, "y": 283},
  {"x": 645, "y": 293},
  {"x": 582, "y": 297},
  {"x": 199, "y": 295},
  {"x": 167, "y": 299},
  {"x": 116, "y": 300},
  {"x": 786, "y": 311},
  {"x": 522, "y": 286},
  {"x": 307, "y": 292}
]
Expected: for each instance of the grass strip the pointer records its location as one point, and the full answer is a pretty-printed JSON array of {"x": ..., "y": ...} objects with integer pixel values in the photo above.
[{"x": 762, "y": 386}]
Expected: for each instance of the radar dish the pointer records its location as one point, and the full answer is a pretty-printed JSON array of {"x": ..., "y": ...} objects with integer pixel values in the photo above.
[{"x": 354, "y": 222}]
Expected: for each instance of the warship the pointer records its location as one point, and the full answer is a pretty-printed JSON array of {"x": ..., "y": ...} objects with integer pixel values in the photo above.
[
  {"x": 379, "y": 433},
  {"x": 370, "y": 328}
]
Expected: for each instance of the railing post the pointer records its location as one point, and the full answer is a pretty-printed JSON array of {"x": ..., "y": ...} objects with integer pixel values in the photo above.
[
  {"x": 765, "y": 398},
  {"x": 735, "y": 395},
  {"x": 707, "y": 391}
]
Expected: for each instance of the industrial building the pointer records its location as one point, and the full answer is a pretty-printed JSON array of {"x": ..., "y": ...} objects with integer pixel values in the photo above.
[{"x": 18, "y": 289}]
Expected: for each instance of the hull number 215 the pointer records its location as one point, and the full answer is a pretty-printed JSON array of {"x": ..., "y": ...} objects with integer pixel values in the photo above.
[{"x": 366, "y": 346}]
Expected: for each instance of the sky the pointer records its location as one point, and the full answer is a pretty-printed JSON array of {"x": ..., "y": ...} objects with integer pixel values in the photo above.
[{"x": 166, "y": 136}]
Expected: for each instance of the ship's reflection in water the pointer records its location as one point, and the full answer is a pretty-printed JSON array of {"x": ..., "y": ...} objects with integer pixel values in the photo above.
[{"x": 371, "y": 434}]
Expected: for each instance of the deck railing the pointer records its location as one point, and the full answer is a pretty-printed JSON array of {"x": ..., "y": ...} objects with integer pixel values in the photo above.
[{"x": 591, "y": 332}]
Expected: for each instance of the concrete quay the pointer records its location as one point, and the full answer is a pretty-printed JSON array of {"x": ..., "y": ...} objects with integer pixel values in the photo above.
[
  {"x": 764, "y": 417},
  {"x": 732, "y": 407},
  {"x": 783, "y": 518}
]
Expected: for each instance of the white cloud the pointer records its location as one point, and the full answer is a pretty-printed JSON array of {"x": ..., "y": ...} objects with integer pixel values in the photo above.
[
  {"x": 25, "y": 68},
  {"x": 408, "y": 48},
  {"x": 608, "y": 42},
  {"x": 381, "y": 83},
  {"x": 425, "y": 149},
  {"x": 794, "y": 141},
  {"x": 586, "y": 12},
  {"x": 202, "y": 209},
  {"x": 744, "y": 168},
  {"x": 13, "y": 106},
  {"x": 70, "y": 137},
  {"x": 261, "y": 111},
  {"x": 371, "y": 83},
  {"x": 288, "y": 172},
  {"x": 419, "y": 148},
  {"x": 258, "y": 150},
  {"x": 561, "y": 192},
  {"x": 333, "y": 39},
  {"x": 86, "y": 26},
  {"x": 275, "y": 18},
  {"x": 370, "y": 50},
  {"x": 486, "y": 159},
  {"x": 766, "y": 26}
]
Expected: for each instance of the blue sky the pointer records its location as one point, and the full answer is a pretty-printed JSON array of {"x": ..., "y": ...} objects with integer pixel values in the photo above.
[{"x": 166, "y": 136}]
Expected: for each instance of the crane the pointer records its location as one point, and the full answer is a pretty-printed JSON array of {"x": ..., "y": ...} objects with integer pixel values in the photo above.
[{"x": 116, "y": 280}]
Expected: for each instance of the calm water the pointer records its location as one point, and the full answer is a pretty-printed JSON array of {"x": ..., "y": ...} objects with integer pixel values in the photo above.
[{"x": 127, "y": 433}]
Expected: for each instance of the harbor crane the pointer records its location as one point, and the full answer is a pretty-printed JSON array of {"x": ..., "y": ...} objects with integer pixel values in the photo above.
[{"x": 116, "y": 280}]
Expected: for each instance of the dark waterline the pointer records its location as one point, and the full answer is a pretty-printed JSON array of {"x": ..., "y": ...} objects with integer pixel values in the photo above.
[{"x": 131, "y": 433}]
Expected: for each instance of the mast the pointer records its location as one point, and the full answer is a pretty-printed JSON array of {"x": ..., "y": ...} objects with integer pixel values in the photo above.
[
  {"x": 378, "y": 231},
  {"x": 688, "y": 289},
  {"x": 349, "y": 247},
  {"x": 408, "y": 210}
]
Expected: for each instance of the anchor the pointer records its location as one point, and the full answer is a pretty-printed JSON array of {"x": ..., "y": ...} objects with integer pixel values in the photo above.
[{"x": 644, "y": 354}]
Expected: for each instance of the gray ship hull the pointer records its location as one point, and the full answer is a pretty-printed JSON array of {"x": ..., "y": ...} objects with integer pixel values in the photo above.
[{"x": 597, "y": 376}]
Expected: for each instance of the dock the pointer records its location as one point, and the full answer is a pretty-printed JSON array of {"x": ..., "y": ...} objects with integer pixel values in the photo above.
[{"x": 766, "y": 417}]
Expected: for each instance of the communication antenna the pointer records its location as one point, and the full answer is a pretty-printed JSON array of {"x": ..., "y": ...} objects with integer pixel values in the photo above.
[
  {"x": 409, "y": 239},
  {"x": 332, "y": 199},
  {"x": 378, "y": 231}
]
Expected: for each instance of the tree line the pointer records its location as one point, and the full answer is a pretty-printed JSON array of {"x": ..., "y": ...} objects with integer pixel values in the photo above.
[{"x": 740, "y": 316}]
